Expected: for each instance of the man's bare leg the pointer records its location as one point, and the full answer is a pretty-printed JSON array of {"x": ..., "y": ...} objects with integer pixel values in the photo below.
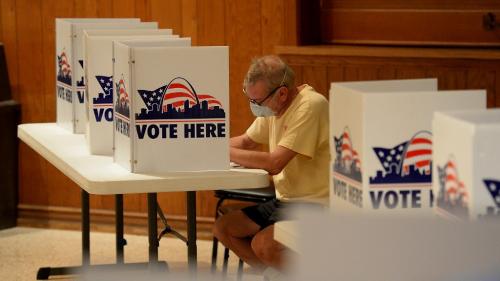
[
  {"x": 235, "y": 230},
  {"x": 268, "y": 250}
]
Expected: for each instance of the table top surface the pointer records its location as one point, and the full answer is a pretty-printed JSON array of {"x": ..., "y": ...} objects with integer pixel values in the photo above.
[
  {"x": 285, "y": 232},
  {"x": 96, "y": 174}
]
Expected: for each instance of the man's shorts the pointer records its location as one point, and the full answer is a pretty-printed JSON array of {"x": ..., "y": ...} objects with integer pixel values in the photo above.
[{"x": 268, "y": 213}]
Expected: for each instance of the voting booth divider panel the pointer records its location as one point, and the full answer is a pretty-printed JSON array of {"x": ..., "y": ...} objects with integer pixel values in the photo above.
[
  {"x": 466, "y": 176},
  {"x": 381, "y": 143},
  {"x": 177, "y": 96}
]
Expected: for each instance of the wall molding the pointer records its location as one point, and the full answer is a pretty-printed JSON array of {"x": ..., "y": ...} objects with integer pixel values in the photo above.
[{"x": 69, "y": 218}]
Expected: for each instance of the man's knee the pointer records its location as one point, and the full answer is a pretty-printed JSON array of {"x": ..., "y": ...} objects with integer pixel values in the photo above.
[
  {"x": 220, "y": 228},
  {"x": 263, "y": 246}
]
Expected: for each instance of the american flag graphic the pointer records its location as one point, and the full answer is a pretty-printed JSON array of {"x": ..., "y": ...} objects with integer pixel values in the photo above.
[
  {"x": 64, "y": 64},
  {"x": 348, "y": 154},
  {"x": 176, "y": 93},
  {"x": 415, "y": 152},
  {"x": 347, "y": 164},
  {"x": 419, "y": 153},
  {"x": 179, "y": 90},
  {"x": 122, "y": 93},
  {"x": 493, "y": 187},
  {"x": 456, "y": 193}
]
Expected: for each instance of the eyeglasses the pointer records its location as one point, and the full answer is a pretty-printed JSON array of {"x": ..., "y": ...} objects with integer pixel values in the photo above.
[{"x": 268, "y": 95}]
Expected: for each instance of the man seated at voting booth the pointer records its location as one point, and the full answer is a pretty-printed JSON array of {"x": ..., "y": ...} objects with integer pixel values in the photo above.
[{"x": 293, "y": 122}]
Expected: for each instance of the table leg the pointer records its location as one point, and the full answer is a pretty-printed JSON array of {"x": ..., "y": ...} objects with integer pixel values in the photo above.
[
  {"x": 45, "y": 272},
  {"x": 120, "y": 241},
  {"x": 152, "y": 229},
  {"x": 85, "y": 229},
  {"x": 191, "y": 221}
]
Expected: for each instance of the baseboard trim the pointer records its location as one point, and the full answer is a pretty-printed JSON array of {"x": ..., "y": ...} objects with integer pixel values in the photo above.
[{"x": 69, "y": 218}]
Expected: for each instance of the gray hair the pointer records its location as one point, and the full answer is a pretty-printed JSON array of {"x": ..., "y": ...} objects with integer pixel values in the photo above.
[{"x": 270, "y": 69}]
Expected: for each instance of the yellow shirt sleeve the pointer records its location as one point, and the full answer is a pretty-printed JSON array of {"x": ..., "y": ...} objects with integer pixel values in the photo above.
[
  {"x": 259, "y": 131},
  {"x": 302, "y": 132}
]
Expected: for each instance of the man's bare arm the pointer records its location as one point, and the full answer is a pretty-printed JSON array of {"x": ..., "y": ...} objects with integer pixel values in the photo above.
[
  {"x": 243, "y": 142},
  {"x": 272, "y": 162}
]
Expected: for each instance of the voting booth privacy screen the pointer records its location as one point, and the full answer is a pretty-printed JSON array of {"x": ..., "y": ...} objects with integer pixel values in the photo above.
[
  {"x": 99, "y": 74},
  {"x": 70, "y": 83},
  {"x": 381, "y": 143},
  {"x": 466, "y": 176},
  {"x": 171, "y": 108}
]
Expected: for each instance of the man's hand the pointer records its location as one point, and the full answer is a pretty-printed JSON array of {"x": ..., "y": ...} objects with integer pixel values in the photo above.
[{"x": 272, "y": 162}]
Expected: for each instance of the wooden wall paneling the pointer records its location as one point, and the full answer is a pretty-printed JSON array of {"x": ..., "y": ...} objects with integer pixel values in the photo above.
[
  {"x": 86, "y": 8},
  {"x": 31, "y": 185},
  {"x": 9, "y": 37},
  {"x": 448, "y": 78},
  {"x": 335, "y": 73},
  {"x": 51, "y": 9},
  {"x": 316, "y": 76},
  {"x": 60, "y": 190},
  {"x": 143, "y": 10},
  {"x": 211, "y": 16},
  {"x": 351, "y": 73},
  {"x": 30, "y": 61},
  {"x": 273, "y": 25},
  {"x": 411, "y": 4},
  {"x": 104, "y": 8},
  {"x": 124, "y": 8},
  {"x": 189, "y": 20},
  {"x": 290, "y": 11},
  {"x": 299, "y": 79},
  {"x": 434, "y": 27},
  {"x": 483, "y": 79},
  {"x": 1, "y": 21},
  {"x": 172, "y": 203},
  {"x": 168, "y": 14},
  {"x": 386, "y": 72},
  {"x": 244, "y": 39},
  {"x": 367, "y": 73},
  {"x": 497, "y": 89},
  {"x": 410, "y": 72}
]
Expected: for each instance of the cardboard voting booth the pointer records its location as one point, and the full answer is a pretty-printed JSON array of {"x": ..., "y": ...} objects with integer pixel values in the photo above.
[
  {"x": 99, "y": 84},
  {"x": 171, "y": 108},
  {"x": 466, "y": 174},
  {"x": 70, "y": 83},
  {"x": 381, "y": 143}
]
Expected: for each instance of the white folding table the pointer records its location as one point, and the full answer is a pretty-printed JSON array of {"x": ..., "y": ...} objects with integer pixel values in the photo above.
[{"x": 100, "y": 175}]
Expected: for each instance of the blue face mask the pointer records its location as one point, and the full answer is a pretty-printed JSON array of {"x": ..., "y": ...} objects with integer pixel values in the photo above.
[{"x": 261, "y": 110}]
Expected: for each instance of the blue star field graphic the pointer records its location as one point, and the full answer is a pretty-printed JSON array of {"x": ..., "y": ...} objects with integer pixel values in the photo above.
[
  {"x": 106, "y": 96},
  {"x": 178, "y": 100},
  {"x": 493, "y": 187},
  {"x": 406, "y": 163},
  {"x": 81, "y": 82},
  {"x": 347, "y": 162}
]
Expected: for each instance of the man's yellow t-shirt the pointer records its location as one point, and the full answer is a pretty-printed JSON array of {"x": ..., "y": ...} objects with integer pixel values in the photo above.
[{"x": 303, "y": 128}]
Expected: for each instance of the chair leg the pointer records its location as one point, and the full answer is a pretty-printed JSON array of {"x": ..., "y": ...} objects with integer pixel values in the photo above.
[
  {"x": 239, "y": 276},
  {"x": 215, "y": 242},
  {"x": 224, "y": 264},
  {"x": 215, "y": 246}
]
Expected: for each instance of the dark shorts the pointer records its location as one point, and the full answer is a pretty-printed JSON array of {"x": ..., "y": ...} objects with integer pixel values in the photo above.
[{"x": 268, "y": 213}]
